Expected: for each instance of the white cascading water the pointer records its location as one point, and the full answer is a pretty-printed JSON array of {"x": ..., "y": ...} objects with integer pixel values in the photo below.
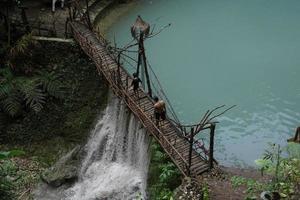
[{"x": 116, "y": 162}]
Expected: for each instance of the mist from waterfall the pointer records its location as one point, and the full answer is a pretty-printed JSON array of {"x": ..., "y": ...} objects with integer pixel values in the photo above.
[{"x": 116, "y": 160}]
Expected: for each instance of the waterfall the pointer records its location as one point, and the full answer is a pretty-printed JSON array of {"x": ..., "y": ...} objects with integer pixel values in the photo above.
[{"x": 116, "y": 159}]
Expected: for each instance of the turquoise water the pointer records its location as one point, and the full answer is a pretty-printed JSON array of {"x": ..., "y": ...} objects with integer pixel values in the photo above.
[{"x": 243, "y": 52}]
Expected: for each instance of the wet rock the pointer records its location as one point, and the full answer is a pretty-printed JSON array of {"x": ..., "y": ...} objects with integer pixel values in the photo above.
[{"x": 65, "y": 170}]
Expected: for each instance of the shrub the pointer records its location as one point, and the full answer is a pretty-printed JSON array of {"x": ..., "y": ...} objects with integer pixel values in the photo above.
[{"x": 284, "y": 170}]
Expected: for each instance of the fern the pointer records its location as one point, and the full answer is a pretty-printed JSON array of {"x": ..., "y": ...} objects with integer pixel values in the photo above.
[
  {"x": 19, "y": 54},
  {"x": 6, "y": 74},
  {"x": 9, "y": 98},
  {"x": 17, "y": 91},
  {"x": 23, "y": 45},
  {"x": 11, "y": 104},
  {"x": 33, "y": 96},
  {"x": 50, "y": 83},
  {"x": 35, "y": 99},
  {"x": 5, "y": 89}
]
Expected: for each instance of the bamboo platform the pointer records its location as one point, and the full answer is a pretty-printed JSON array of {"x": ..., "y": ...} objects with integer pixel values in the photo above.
[{"x": 168, "y": 136}]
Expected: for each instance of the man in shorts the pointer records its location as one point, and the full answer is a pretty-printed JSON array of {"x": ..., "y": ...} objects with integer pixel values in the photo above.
[{"x": 159, "y": 110}]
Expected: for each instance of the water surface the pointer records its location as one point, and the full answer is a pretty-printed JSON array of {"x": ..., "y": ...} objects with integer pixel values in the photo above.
[{"x": 243, "y": 52}]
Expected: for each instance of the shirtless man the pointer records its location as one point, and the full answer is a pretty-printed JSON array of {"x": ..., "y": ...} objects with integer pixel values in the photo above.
[{"x": 159, "y": 110}]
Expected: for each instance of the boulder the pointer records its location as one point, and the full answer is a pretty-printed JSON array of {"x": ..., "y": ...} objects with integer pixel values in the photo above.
[{"x": 65, "y": 170}]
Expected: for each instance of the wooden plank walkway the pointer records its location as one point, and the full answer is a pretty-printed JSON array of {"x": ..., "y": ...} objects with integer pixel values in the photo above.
[{"x": 168, "y": 136}]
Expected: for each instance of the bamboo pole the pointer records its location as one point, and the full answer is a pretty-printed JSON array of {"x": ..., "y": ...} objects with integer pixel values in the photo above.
[
  {"x": 211, "y": 146},
  {"x": 52, "y": 39},
  {"x": 146, "y": 70},
  {"x": 191, "y": 149}
]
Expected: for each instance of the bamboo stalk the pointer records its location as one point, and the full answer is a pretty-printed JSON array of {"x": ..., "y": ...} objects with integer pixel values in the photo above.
[{"x": 52, "y": 39}]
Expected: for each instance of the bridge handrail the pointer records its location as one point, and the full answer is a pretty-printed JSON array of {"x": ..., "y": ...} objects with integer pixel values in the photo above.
[
  {"x": 161, "y": 138},
  {"x": 141, "y": 113}
]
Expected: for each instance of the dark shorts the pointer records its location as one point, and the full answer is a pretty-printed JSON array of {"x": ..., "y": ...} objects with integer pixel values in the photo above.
[
  {"x": 135, "y": 87},
  {"x": 163, "y": 115},
  {"x": 157, "y": 115}
]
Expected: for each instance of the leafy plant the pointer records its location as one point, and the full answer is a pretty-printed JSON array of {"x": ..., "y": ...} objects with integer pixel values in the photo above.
[
  {"x": 285, "y": 172},
  {"x": 50, "y": 83},
  {"x": 164, "y": 176},
  {"x": 7, "y": 169},
  {"x": 253, "y": 186},
  {"x": 17, "y": 91},
  {"x": 9, "y": 154},
  {"x": 19, "y": 53},
  {"x": 23, "y": 45},
  {"x": 168, "y": 170},
  {"x": 165, "y": 194},
  {"x": 205, "y": 192}
]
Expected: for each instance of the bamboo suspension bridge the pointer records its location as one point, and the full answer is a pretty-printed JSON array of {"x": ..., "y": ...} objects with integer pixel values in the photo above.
[
  {"x": 179, "y": 141},
  {"x": 188, "y": 161}
]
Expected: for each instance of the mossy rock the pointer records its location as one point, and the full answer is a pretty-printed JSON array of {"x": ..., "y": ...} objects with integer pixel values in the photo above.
[{"x": 65, "y": 170}]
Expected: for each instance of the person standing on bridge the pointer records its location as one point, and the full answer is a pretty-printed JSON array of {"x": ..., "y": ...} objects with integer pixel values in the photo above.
[
  {"x": 135, "y": 83},
  {"x": 159, "y": 110}
]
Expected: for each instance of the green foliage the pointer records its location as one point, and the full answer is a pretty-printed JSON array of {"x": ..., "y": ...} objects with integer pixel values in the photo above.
[
  {"x": 22, "y": 45},
  {"x": 164, "y": 175},
  {"x": 168, "y": 170},
  {"x": 165, "y": 194},
  {"x": 7, "y": 169},
  {"x": 60, "y": 124},
  {"x": 20, "y": 53},
  {"x": 293, "y": 150},
  {"x": 205, "y": 192},
  {"x": 253, "y": 187},
  {"x": 284, "y": 170},
  {"x": 6, "y": 185},
  {"x": 17, "y": 91},
  {"x": 285, "y": 173},
  {"x": 50, "y": 83},
  {"x": 9, "y": 154}
]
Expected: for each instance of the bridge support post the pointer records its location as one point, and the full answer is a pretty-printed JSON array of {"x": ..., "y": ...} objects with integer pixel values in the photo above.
[
  {"x": 142, "y": 62},
  {"x": 191, "y": 150},
  {"x": 211, "y": 145}
]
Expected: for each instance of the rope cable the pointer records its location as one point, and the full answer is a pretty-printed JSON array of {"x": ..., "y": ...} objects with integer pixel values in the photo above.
[{"x": 164, "y": 94}]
